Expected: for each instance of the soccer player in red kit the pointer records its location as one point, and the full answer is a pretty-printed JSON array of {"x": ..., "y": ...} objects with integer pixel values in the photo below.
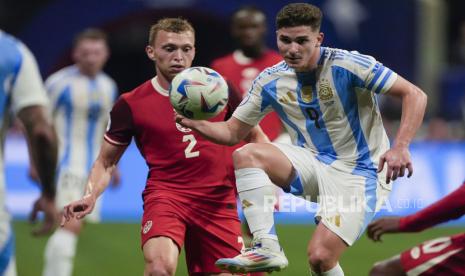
[
  {"x": 188, "y": 199},
  {"x": 441, "y": 256},
  {"x": 241, "y": 67}
]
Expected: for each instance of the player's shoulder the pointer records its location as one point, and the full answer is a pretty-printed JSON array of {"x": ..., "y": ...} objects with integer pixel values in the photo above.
[
  {"x": 273, "y": 55},
  {"x": 350, "y": 60},
  {"x": 61, "y": 77},
  {"x": 274, "y": 72},
  {"x": 139, "y": 92},
  {"x": 12, "y": 50}
]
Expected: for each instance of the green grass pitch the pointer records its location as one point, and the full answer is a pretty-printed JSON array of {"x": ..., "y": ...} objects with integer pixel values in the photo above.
[{"x": 113, "y": 249}]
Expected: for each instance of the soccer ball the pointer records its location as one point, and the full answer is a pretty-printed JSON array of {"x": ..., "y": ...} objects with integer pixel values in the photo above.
[{"x": 198, "y": 93}]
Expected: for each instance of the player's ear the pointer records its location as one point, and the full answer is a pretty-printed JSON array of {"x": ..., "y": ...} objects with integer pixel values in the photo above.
[
  {"x": 319, "y": 39},
  {"x": 150, "y": 52}
]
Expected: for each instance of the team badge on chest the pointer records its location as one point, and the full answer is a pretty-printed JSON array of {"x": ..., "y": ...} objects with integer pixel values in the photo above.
[{"x": 325, "y": 92}]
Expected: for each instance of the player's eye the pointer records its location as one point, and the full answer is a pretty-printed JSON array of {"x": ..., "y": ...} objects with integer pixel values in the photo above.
[
  {"x": 187, "y": 49},
  {"x": 285, "y": 40},
  {"x": 301, "y": 41},
  {"x": 169, "y": 48}
]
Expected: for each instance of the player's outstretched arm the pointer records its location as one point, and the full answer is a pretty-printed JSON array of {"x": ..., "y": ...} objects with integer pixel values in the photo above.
[
  {"x": 414, "y": 101},
  {"x": 448, "y": 208},
  {"x": 228, "y": 133},
  {"x": 99, "y": 178},
  {"x": 42, "y": 143}
]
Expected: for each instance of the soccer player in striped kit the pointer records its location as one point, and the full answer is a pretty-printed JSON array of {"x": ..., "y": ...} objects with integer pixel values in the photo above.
[
  {"x": 81, "y": 96},
  {"x": 327, "y": 100},
  {"x": 22, "y": 92}
]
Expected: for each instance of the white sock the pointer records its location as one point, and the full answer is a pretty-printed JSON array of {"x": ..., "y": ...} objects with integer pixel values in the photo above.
[
  {"x": 59, "y": 253},
  {"x": 258, "y": 197},
  {"x": 335, "y": 271}
]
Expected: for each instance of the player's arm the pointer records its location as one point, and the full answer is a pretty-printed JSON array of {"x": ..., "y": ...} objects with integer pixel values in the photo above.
[
  {"x": 448, "y": 208},
  {"x": 413, "y": 109},
  {"x": 256, "y": 135},
  {"x": 99, "y": 178},
  {"x": 228, "y": 133},
  {"x": 42, "y": 143}
]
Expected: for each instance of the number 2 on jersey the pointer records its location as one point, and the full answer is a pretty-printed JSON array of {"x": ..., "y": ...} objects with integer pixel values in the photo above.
[{"x": 192, "y": 142}]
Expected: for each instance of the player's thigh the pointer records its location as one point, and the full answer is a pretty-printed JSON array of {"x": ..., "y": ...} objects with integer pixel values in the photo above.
[
  {"x": 267, "y": 157},
  {"x": 389, "y": 267},
  {"x": 304, "y": 167},
  {"x": 209, "y": 238},
  {"x": 162, "y": 218},
  {"x": 444, "y": 254}
]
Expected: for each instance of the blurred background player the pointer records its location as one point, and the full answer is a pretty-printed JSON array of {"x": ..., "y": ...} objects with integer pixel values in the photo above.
[
  {"x": 241, "y": 67},
  {"x": 81, "y": 97},
  {"x": 188, "y": 198},
  {"x": 441, "y": 256},
  {"x": 22, "y": 92}
]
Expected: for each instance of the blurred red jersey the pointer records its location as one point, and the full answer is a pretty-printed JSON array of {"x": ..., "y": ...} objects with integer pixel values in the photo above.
[
  {"x": 182, "y": 164},
  {"x": 241, "y": 71}
]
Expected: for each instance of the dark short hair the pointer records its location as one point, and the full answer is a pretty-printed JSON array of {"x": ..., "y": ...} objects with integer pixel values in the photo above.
[
  {"x": 92, "y": 34},
  {"x": 172, "y": 25},
  {"x": 299, "y": 14}
]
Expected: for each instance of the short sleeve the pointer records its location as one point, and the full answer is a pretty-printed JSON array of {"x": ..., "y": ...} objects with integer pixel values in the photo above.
[
  {"x": 28, "y": 88},
  {"x": 120, "y": 129},
  {"x": 376, "y": 77},
  {"x": 253, "y": 107}
]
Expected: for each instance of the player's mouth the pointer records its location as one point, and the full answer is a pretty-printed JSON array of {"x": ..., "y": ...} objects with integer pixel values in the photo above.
[
  {"x": 293, "y": 60},
  {"x": 177, "y": 68}
]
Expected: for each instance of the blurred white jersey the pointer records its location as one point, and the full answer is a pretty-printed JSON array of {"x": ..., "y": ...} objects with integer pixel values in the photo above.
[
  {"x": 80, "y": 110},
  {"x": 20, "y": 86},
  {"x": 332, "y": 111}
]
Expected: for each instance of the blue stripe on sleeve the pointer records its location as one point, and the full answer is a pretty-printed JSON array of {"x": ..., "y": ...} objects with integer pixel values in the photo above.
[
  {"x": 376, "y": 77},
  {"x": 383, "y": 82}
]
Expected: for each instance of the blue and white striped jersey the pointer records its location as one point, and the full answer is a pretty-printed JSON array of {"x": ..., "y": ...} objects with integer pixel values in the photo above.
[
  {"x": 332, "y": 111},
  {"x": 20, "y": 86},
  {"x": 80, "y": 107}
]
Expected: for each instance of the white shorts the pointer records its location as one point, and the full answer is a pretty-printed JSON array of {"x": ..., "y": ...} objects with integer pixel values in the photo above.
[
  {"x": 71, "y": 187},
  {"x": 347, "y": 201}
]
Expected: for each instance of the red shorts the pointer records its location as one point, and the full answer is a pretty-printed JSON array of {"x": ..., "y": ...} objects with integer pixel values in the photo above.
[
  {"x": 441, "y": 256},
  {"x": 208, "y": 232}
]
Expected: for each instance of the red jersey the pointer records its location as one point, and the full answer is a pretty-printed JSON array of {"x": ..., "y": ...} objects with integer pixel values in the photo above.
[
  {"x": 450, "y": 207},
  {"x": 241, "y": 71},
  {"x": 182, "y": 164}
]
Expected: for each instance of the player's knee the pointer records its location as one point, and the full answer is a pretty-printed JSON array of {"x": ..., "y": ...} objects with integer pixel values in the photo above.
[
  {"x": 247, "y": 157},
  {"x": 321, "y": 260},
  {"x": 159, "y": 267}
]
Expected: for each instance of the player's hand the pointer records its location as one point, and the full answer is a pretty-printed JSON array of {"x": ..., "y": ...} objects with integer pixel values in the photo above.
[
  {"x": 380, "y": 226},
  {"x": 185, "y": 122},
  {"x": 397, "y": 160},
  {"x": 78, "y": 209},
  {"x": 46, "y": 205}
]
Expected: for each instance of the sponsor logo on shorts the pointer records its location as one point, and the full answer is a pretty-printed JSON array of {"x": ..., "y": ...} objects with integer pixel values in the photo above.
[
  {"x": 246, "y": 204},
  {"x": 147, "y": 227}
]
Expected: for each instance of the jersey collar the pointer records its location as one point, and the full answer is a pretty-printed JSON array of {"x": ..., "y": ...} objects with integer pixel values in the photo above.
[{"x": 156, "y": 85}]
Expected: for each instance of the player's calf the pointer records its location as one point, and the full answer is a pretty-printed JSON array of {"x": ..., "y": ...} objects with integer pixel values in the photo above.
[{"x": 321, "y": 260}]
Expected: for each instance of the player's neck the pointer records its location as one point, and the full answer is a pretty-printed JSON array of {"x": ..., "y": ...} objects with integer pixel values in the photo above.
[
  {"x": 162, "y": 81},
  {"x": 87, "y": 73},
  {"x": 254, "y": 52}
]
